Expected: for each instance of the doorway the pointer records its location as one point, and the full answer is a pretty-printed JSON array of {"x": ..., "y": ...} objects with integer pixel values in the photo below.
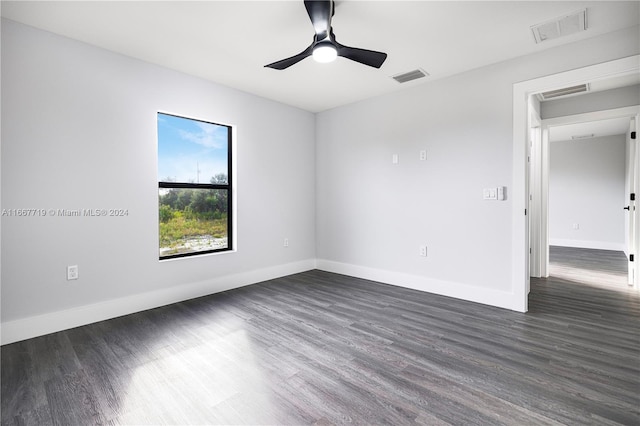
[
  {"x": 521, "y": 167},
  {"x": 591, "y": 172}
]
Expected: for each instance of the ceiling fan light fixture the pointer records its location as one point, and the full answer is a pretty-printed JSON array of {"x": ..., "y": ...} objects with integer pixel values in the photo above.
[
  {"x": 325, "y": 52},
  {"x": 324, "y": 47}
]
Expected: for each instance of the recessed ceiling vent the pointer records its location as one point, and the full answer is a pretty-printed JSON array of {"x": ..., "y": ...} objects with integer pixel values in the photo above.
[
  {"x": 565, "y": 91},
  {"x": 411, "y": 75},
  {"x": 560, "y": 27},
  {"x": 578, "y": 137}
]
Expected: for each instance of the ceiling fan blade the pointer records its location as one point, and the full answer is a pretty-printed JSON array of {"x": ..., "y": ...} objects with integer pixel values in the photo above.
[
  {"x": 320, "y": 13},
  {"x": 286, "y": 63},
  {"x": 363, "y": 56}
]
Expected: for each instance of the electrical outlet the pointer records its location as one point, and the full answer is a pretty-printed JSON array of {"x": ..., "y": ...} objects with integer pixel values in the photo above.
[
  {"x": 72, "y": 272},
  {"x": 423, "y": 155},
  {"x": 423, "y": 251},
  {"x": 286, "y": 242}
]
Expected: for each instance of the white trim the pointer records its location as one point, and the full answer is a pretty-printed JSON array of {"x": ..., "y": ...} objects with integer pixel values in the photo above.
[
  {"x": 630, "y": 111},
  {"x": 521, "y": 93},
  {"x": 544, "y": 205},
  {"x": 461, "y": 291},
  {"x": 26, "y": 328},
  {"x": 598, "y": 245},
  {"x": 536, "y": 216},
  {"x": 633, "y": 246},
  {"x": 547, "y": 123}
]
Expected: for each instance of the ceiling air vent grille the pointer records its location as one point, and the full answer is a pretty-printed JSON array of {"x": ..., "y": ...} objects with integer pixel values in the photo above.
[
  {"x": 565, "y": 91},
  {"x": 578, "y": 137},
  {"x": 411, "y": 75},
  {"x": 560, "y": 27}
]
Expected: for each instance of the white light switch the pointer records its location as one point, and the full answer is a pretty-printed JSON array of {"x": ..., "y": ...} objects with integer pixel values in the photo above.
[
  {"x": 490, "y": 193},
  {"x": 497, "y": 193},
  {"x": 394, "y": 159}
]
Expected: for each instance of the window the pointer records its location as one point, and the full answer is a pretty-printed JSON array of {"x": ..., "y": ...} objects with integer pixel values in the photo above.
[{"x": 194, "y": 187}]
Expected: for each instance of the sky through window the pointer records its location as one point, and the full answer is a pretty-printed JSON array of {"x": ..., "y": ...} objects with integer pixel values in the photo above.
[{"x": 190, "y": 150}]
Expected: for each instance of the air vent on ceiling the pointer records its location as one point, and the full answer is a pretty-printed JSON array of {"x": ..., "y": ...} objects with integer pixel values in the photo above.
[
  {"x": 409, "y": 76},
  {"x": 565, "y": 91},
  {"x": 578, "y": 137},
  {"x": 560, "y": 27}
]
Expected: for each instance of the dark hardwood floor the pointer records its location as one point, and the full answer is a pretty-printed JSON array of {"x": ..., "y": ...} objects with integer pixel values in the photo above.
[
  {"x": 596, "y": 268},
  {"x": 320, "y": 348}
]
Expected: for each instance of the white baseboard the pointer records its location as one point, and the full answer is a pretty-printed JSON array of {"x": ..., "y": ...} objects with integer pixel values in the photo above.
[
  {"x": 466, "y": 292},
  {"x": 599, "y": 245},
  {"x": 26, "y": 328}
]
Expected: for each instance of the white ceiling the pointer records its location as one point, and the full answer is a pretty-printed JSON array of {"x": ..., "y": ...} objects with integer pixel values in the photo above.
[
  {"x": 599, "y": 128},
  {"x": 229, "y": 42}
]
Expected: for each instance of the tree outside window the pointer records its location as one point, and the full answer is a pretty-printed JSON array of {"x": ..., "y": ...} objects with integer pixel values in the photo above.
[{"x": 194, "y": 186}]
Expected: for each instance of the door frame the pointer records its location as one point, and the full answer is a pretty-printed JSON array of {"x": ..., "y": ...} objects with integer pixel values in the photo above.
[
  {"x": 624, "y": 112},
  {"x": 520, "y": 178},
  {"x": 630, "y": 180},
  {"x": 537, "y": 218}
]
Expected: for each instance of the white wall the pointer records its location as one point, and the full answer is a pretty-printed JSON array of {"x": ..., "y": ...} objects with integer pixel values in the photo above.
[
  {"x": 586, "y": 187},
  {"x": 598, "y": 232},
  {"x": 372, "y": 215},
  {"x": 79, "y": 131},
  {"x": 591, "y": 102}
]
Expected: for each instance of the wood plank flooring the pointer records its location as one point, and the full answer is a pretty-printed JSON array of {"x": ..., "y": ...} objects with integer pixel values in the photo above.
[
  {"x": 596, "y": 268},
  {"x": 320, "y": 348}
]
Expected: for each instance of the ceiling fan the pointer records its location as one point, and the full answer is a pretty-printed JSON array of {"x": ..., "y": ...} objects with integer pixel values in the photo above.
[{"x": 325, "y": 48}]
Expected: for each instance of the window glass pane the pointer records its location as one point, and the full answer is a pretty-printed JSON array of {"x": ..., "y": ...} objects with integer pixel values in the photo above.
[
  {"x": 192, "y": 220},
  {"x": 192, "y": 151},
  {"x": 193, "y": 158}
]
